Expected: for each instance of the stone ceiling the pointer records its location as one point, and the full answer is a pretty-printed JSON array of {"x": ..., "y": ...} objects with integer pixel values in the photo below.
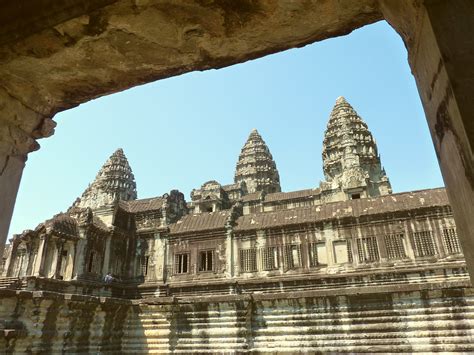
[{"x": 77, "y": 53}]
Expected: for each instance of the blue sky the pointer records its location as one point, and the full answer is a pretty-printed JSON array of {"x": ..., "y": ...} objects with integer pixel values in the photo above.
[{"x": 181, "y": 132}]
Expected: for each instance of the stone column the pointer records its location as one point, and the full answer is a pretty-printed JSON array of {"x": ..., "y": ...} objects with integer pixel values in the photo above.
[
  {"x": 159, "y": 256},
  {"x": 167, "y": 270},
  {"x": 105, "y": 266},
  {"x": 438, "y": 36},
  {"x": 59, "y": 257},
  {"x": 70, "y": 261},
  {"x": 20, "y": 126},
  {"x": 229, "y": 253},
  {"x": 39, "y": 256},
  {"x": 12, "y": 163},
  {"x": 79, "y": 255},
  {"x": 10, "y": 259}
]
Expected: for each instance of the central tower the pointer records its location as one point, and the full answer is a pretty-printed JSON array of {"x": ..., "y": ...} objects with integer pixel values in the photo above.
[
  {"x": 256, "y": 166},
  {"x": 351, "y": 162},
  {"x": 114, "y": 182}
]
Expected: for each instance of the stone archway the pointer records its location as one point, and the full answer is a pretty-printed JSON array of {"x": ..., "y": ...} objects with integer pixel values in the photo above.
[{"x": 57, "y": 55}]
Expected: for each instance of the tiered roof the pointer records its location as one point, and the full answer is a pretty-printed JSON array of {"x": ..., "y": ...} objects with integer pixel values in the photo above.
[
  {"x": 256, "y": 166},
  {"x": 350, "y": 157},
  {"x": 114, "y": 182},
  {"x": 405, "y": 202}
]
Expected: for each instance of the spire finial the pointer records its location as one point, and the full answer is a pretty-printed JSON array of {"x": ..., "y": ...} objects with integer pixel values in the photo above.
[
  {"x": 254, "y": 132},
  {"x": 341, "y": 100}
]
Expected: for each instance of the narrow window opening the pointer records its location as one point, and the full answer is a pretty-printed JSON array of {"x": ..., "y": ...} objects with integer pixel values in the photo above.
[
  {"x": 317, "y": 254},
  {"x": 292, "y": 256},
  {"x": 206, "y": 260},
  {"x": 91, "y": 262},
  {"x": 145, "y": 262},
  {"x": 182, "y": 263}
]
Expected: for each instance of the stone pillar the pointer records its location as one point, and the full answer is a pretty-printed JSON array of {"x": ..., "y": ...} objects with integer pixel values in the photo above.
[
  {"x": 438, "y": 36},
  {"x": 59, "y": 257},
  {"x": 167, "y": 269},
  {"x": 158, "y": 257},
  {"x": 105, "y": 266},
  {"x": 20, "y": 126},
  {"x": 79, "y": 256},
  {"x": 39, "y": 256},
  {"x": 229, "y": 253},
  {"x": 10, "y": 259},
  {"x": 11, "y": 169},
  {"x": 70, "y": 261}
]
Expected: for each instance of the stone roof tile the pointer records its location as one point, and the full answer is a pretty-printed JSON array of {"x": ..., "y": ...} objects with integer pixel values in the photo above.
[
  {"x": 62, "y": 223},
  {"x": 353, "y": 208},
  {"x": 255, "y": 196},
  {"x": 200, "y": 222},
  {"x": 282, "y": 196},
  {"x": 142, "y": 205},
  {"x": 230, "y": 187}
]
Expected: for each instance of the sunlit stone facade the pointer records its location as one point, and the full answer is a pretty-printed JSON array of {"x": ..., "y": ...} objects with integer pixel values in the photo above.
[
  {"x": 249, "y": 238},
  {"x": 248, "y": 229}
]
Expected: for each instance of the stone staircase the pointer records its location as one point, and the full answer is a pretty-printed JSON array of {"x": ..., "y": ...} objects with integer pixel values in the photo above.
[
  {"x": 11, "y": 282},
  {"x": 423, "y": 321},
  {"x": 409, "y": 324},
  {"x": 431, "y": 316},
  {"x": 187, "y": 328}
]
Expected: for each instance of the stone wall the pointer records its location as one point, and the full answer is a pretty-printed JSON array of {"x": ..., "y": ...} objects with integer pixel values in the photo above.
[
  {"x": 427, "y": 318},
  {"x": 46, "y": 322}
]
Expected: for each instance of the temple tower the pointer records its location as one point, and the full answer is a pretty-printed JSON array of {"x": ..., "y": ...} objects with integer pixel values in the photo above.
[
  {"x": 351, "y": 162},
  {"x": 256, "y": 166},
  {"x": 114, "y": 181}
]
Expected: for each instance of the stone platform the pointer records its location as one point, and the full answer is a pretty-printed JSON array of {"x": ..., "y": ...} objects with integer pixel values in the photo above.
[{"x": 435, "y": 314}]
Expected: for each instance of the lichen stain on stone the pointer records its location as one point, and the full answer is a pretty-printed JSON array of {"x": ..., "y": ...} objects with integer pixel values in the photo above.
[
  {"x": 443, "y": 120},
  {"x": 435, "y": 77},
  {"x": 49, "y": 333},
  {"x": 237, "y": 13},
  {"x": 98, "y": 23}
]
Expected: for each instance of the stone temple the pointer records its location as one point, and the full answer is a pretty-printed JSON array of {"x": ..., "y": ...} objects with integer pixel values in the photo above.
[{"x": 346, "y": 266}]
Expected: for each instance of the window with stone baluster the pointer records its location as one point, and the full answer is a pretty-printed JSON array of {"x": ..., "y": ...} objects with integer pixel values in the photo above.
[
  {"x": 424, "y": 244},
  {"x": 248, "y": 260},
  {"x": 144, "y": 264},
  {"x": 451, "y": 241},
  {"x": 269, "y": 257},
  {"x": 395, "y": 246},
  {"x": 367, "y": 249},
  {"x": 293, "y": 256},
  {"x": 317, "y": 254},
  {"x": 181, "y": 263},
  {"x": 206, "y": 260}
]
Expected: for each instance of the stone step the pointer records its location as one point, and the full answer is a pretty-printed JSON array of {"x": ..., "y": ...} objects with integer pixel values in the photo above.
[
  {"x": 379, "y": 338},
  {"x": 309, "y": 320}
]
